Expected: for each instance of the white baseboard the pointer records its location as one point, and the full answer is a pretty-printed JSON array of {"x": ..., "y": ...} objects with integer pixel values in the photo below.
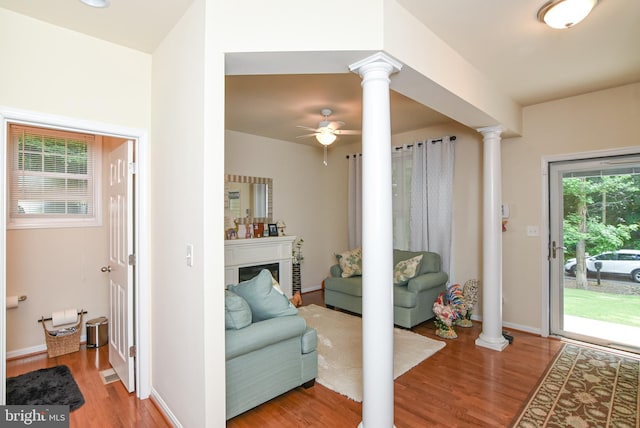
[
  {"x": 518, "y": 327},
  {"x": 17, "y": 353},
  {"x": 312, "y": 288},
  {"x": 165, "y": 409}
]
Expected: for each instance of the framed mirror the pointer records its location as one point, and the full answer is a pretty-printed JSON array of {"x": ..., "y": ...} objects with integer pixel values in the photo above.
[{"x": 247, "y": 196}]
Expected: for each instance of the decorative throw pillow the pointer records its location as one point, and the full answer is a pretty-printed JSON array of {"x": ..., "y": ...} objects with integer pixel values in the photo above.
[
  {"x": 265, "y": 301},
  {"x": 350, "y": 262},
  {"x": 406, "y": 269},
  {"x": 237, "y": 313}
]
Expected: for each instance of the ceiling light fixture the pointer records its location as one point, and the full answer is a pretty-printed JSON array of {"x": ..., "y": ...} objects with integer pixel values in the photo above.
[
  {"x": 96, "y": 3},
  {"x": 561, "y": 14},
  {"x": 325, "y": 136}
]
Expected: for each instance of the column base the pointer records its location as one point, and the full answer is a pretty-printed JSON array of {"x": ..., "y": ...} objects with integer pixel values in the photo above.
[
  {"x": 495, "y": 344},
  {"x": 360, "y": 425}
]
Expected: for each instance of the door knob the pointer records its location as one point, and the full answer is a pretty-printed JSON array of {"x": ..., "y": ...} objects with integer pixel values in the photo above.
[
  {"x": 554, "y": 249},
  {"x": 105, "y": 269}
]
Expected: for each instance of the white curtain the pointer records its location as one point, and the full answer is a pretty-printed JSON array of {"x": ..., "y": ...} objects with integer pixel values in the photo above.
[
  {"x": 355, "y": 201},
  {"x": 402, "y": 163},
  {"x": 422, "y": 179},
  {"x": 432, "y": 198}
]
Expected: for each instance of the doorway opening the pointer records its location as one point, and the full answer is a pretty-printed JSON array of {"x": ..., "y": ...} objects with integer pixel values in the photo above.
[
  {"x": 140, "y": 298},
  {"x": 594, "y": 222}
]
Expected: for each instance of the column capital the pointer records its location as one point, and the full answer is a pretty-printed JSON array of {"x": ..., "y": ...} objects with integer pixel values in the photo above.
[
  {"x": 491, "y": 131},
  {"x": 376, "y": 60}
]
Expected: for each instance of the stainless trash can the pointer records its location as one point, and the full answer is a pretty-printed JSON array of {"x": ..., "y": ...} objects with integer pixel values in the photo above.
[{"x": 97, "y": 332}]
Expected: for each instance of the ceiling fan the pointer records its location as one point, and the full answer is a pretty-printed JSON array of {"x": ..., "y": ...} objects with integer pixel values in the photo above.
[{"x": 327, "y": 131}]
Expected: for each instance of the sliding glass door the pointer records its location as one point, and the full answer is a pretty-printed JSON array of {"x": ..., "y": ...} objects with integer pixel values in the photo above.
[{"x": 594, "y": 220}]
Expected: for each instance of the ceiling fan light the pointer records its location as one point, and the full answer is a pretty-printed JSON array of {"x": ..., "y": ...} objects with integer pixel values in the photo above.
[
  {"x": 96, "y": 3},
  {"x": 325, "y": 137},
  {"x": 561, "y": 14}
]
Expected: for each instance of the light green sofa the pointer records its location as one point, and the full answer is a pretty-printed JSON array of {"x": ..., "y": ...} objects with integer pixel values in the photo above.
[
  {"x": 412, "y": 302},
  {"x": 269, "y": 348}
]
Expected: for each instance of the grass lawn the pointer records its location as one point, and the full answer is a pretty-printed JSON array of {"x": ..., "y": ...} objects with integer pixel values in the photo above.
[{"x": 615, "y": 308}]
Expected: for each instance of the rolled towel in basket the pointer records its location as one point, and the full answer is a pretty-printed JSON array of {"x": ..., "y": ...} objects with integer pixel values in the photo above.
[{"x": 68, "y": 316}]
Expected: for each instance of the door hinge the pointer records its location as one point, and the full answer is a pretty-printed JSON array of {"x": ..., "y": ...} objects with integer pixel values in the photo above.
[
  {"x": 132, "y": 259},
  {"x": 133, "y": 168},
  {"x": 132, "y": 351}
]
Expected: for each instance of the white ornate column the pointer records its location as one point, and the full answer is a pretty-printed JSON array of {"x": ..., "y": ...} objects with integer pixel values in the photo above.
[
  {"x": 377, "y": 241},
  {"x": 491, "y": 336}
]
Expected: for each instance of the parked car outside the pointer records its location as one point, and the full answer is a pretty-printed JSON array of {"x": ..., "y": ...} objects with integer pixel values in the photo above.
[{"x": 624, "y": 262}]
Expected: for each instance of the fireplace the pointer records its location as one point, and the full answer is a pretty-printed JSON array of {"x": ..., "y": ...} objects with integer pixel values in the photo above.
[
  {"x": 245, "y": 258},
  {"x": 247, "y": 272}
]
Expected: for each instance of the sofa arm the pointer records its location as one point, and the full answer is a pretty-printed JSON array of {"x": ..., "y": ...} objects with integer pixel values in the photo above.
[
  {"x": 427, "y": 281},
  {"x": 309, "y": 340},
  {"x": 262, "y": 333},
  {"x": 336, "y": 271}
]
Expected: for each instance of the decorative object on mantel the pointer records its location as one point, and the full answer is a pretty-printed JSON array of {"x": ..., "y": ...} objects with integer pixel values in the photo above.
[
  {"x": 281, "y": 226},
  {"x": 258, "y": 230},
  {"x": 445, "y": 318},
  {"x": 297, "y": 273}
]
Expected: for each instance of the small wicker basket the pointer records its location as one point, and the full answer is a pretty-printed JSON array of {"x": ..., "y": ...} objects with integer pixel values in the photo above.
[{"x": 64, "y": 344}]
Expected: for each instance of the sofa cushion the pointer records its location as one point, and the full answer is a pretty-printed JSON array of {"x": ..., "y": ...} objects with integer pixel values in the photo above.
[
  {"x": 430, "y": 261},
  {"x": 406, "y": 269},
  {"x": 237, "y": 313},
  {"x": 350, "y": 262},
  {"x": 351, "y": 286},
  {"x": 265, "y": 301}
]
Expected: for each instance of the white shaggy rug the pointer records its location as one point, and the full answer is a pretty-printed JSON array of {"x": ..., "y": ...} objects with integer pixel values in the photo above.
[{"x": 340, "y": 349}]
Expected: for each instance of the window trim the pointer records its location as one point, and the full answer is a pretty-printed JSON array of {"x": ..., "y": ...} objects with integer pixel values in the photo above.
[{"x": 58, "y": 222}]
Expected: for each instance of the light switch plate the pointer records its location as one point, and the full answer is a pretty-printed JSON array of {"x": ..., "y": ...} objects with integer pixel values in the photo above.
[{"x": 190, "y": 255}]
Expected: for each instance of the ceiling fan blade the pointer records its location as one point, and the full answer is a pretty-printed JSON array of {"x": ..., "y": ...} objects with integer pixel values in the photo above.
[
  {"x": 307, "y": 135},
  {"x": 347, "y": 132},
  {"x": 335, "y": 125},
  {"x": 307, "y": 128}
]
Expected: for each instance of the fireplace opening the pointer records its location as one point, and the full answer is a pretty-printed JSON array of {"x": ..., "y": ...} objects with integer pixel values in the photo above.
[{"x": 248, "y": 272}]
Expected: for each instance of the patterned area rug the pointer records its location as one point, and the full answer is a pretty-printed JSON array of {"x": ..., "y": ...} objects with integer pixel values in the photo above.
[{"x": 585, "y": 387}]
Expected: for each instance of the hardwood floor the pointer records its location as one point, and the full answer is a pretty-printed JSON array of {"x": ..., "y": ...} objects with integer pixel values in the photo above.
[
  {"x": 460, "y": 386},
  {"x": 105, "y": 405}
]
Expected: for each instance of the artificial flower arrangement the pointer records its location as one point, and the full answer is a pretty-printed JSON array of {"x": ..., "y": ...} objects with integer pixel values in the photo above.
[{"x": 297, "y": 251}]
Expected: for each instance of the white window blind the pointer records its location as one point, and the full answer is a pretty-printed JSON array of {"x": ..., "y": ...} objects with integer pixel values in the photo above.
[{"x": 52, "y": 177}]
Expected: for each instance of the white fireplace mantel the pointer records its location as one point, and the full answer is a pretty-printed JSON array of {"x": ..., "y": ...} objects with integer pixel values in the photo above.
[{"x": 240, "y": 253}]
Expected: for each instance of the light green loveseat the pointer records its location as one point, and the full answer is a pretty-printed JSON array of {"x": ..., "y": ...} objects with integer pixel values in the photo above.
[
  {"x": 412, "y": 302},
  {"x": 269, "y": 348}
]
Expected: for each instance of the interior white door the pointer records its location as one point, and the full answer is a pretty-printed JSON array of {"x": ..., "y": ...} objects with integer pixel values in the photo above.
[{"x": 121, "y": 263}]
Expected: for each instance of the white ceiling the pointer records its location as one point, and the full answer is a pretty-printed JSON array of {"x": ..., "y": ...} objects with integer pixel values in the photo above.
[{"x": 501, "y": 38}]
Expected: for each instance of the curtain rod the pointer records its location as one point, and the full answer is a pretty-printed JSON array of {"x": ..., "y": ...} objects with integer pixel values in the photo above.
[{"x": 439, "y": 140}]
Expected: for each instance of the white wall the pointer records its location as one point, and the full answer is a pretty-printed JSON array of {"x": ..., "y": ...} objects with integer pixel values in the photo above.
[
  {"x": 187, "y": 302},
  {"x": 47, "y": 72},
  {"x": 597, "y": 121},
  {"x": 308, "y": 196},
  {"x": 53, "y": 70}
]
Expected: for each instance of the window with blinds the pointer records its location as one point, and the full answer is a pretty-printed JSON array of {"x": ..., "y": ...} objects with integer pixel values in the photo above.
[{"x": 53, "y": 178}]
